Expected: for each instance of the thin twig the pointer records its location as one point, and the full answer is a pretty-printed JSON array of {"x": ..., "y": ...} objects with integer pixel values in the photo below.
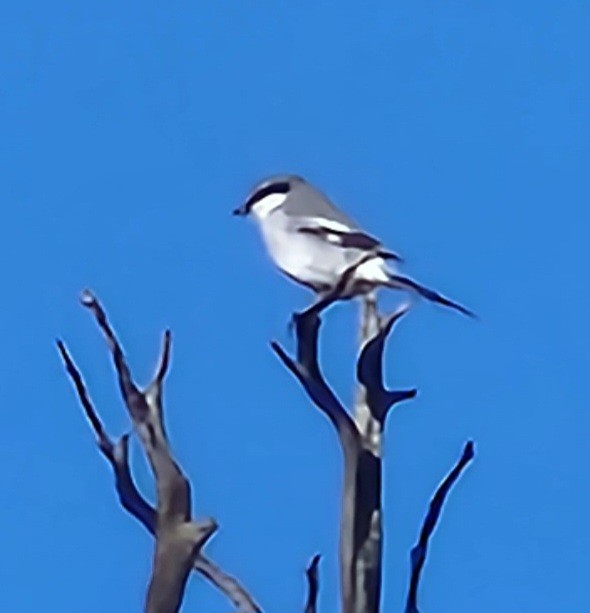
[
  {"x": 91, "y": 414},
  {"x": 164, "y": 361},
  {"x": 420, "y": 550},
  {"x": 227, "y": 584},
  {"x": 131, "y": 395}
]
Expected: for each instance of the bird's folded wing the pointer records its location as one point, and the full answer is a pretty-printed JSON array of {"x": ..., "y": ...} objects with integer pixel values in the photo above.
[{"x": 339, "y": 234}]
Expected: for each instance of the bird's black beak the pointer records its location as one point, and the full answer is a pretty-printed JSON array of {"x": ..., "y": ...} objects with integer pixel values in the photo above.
[{"x": 241, "y": 211}]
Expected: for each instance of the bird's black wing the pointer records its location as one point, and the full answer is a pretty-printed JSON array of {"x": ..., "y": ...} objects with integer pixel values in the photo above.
[{"x": 352, "y": 239}]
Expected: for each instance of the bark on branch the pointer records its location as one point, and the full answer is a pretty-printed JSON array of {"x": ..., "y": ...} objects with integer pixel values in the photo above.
[
  {"x": 179, "y": 539},
  {"x": 360, "y": 532},
  {"x": 372, "y": 406},
  {"x": 361, "y": 440}
]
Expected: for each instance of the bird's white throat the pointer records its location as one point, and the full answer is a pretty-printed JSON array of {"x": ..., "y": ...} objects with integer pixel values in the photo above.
[{"x": 263, "y": 208}]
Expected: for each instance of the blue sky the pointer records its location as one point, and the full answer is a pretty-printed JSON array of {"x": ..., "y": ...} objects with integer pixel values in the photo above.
[{"x": 458, "y": 132}]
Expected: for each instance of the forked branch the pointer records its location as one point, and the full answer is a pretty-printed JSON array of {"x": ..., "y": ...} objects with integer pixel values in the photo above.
[
  {"x": 361, "y": 504},
  {"x": 307, "y": 371},
  {"x": 370, "y": 370},
  {"x": 361, "y": 442},
  {"x": 179, "y": 539}
]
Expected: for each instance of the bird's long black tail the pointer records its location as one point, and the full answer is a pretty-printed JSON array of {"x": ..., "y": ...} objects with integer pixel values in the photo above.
[{"x": 401, "y": 282}]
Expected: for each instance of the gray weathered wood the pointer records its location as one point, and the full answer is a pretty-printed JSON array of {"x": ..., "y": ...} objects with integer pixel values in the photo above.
[
  {"x": 179, "y": 538},
  {"x": 360, "y": 440}
]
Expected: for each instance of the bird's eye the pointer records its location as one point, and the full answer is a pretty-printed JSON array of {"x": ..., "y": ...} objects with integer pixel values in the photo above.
[{"x": 281, "y": 187}]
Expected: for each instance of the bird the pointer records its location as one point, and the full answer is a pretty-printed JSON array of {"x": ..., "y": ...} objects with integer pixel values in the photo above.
[{"x": 314, "y": 243}]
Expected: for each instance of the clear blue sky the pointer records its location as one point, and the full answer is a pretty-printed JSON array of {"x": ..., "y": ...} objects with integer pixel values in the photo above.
[{"x": 456, "y": 131}]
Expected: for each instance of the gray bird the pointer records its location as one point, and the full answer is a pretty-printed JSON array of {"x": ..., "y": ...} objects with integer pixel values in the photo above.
[{"x": 314, "y": 243}]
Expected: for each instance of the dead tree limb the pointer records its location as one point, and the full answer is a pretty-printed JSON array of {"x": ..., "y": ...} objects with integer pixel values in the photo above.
[
  {"x": 179, "y": 539},
  {"x": 372, "y": 406},
  {"x": 307, "y": 371},
  {"x": 361, "y": 441},
  {"x": 360, "y": 532},
  {"x": 420, "y": 551},
  {"x": 132, "y": 501}
]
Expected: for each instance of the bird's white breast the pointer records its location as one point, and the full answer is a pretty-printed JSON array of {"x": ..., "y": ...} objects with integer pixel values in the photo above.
[{"x": 313, "y": 260}]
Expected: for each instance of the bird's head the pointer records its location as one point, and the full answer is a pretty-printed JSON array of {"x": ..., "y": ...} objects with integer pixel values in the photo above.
[{"x": 268, "y": 195}]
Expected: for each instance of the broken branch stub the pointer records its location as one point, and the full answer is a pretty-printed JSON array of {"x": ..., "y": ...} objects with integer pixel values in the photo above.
[{"x": 313, "y": 584}]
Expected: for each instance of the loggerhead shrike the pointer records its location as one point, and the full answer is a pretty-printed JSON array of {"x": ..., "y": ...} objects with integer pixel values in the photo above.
[{"x": 314, "y": 243}]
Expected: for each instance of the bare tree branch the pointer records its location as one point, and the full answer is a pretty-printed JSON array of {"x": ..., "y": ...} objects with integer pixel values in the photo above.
[
  {"x": 420, "y": 551},
  {"x": 308, "y": 373},
  {"x": 313, "y": 584},
  {"x": 360, "y": 532},
  {"x": 306, "y": 369},
  {"x": 228, "y": 585},
  {"x": 370, "y": 370},
  {"x": 372, "y": 405},
  {"x": 104, "y": 442},
  {"x": 133, "y": 502},
  {"x": 178, "y": 538},
  {"x": 164, "y": 363}
]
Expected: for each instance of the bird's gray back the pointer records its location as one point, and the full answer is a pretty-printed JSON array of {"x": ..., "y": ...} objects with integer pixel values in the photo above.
[{"x": 304, "y": 200}]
